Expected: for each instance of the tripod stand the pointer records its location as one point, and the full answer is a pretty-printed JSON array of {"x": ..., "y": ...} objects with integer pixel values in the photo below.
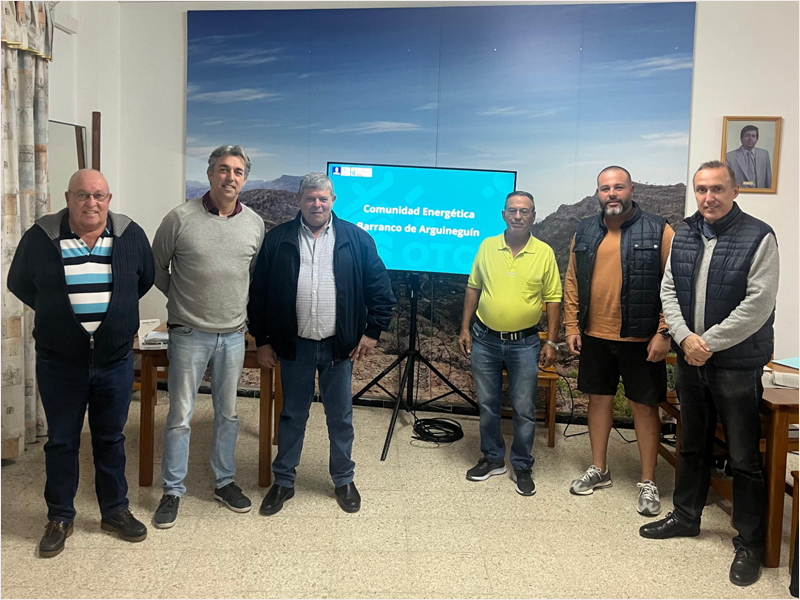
[{"x": 411, "y": 356}]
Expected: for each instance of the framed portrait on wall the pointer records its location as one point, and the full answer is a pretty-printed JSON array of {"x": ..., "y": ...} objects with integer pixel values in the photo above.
[{"x": 750, "y": 147}]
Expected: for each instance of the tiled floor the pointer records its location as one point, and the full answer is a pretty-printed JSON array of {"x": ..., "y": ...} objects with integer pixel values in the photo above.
[{"x": 424, "y": 531}]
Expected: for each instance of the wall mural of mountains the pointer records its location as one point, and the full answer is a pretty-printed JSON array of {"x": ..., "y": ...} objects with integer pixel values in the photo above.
[{"x": 542, "y": 90}]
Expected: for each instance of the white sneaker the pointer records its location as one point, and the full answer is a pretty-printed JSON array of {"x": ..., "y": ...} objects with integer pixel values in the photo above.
[
  {"x": 593, "y": 478},
  {"x": 649, "y": 503}
]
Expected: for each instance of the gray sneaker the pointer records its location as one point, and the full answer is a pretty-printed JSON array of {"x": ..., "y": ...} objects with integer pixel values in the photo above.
[
  {"x": 593, "y": 478},
  {"x": 649, "y": 502}
]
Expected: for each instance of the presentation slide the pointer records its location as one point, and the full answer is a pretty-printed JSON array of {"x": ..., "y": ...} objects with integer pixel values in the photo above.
[{"x": 423, "y": 218}]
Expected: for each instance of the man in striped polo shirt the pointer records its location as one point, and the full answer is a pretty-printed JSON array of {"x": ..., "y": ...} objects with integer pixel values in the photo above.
[{"x": 83, "y": 271}]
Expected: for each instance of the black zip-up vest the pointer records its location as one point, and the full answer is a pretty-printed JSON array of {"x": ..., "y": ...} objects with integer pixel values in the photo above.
[
  {"x": 738, "y": 238},
  {"x": 640, "y": 250}
]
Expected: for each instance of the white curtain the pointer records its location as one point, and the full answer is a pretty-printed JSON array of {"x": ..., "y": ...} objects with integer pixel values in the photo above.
[{"x": 26, "y": 49}]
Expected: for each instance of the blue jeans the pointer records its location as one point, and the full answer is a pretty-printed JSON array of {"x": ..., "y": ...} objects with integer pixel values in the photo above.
[
  {"x": 297, "y": 379},
  {"x": 66, "y": 392},
  {"x": 521, "y": 360},
  {"x": 705, "y": 392},
  {"x": 190, "y": 351}
]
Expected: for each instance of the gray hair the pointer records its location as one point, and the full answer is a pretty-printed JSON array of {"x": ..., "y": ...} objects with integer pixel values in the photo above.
[
  {"x": 524, "y": 195},
  {"x": 315, "y": 181},
  {"x": 716, "y": 164},
  {"x": 224, "y": 151}
]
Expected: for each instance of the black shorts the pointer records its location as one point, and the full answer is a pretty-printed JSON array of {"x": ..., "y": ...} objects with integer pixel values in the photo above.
[{"x": 603, "y": 361}]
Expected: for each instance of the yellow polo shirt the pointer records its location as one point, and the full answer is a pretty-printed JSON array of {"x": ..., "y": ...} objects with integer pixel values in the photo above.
[{"x": 513, "y": 288}]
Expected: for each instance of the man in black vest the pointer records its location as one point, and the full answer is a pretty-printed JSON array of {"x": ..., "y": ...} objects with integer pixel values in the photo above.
[
  {"x": 613, "y": 321},
  {"x": 718, "y": 294}
]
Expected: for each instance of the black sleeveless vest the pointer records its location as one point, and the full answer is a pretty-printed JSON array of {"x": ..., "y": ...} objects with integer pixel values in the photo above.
[
  {"x": 738, "y": 238},
  {"x": 640, "y": 249}
]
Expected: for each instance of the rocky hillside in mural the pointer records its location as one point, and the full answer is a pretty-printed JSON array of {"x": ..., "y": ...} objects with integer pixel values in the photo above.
[
  {"x": 441, "y": 296},
  {"x": 558, "y": 227},
  {"x": 275, "y": 201},
  {"x": 289, "y": 183}
]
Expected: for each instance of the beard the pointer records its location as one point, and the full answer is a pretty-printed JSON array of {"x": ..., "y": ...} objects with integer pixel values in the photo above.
[{"x": 613, "y": 212}]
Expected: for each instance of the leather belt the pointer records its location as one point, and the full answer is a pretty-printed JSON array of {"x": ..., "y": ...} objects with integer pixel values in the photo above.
[{"x": 511, "y": 336}]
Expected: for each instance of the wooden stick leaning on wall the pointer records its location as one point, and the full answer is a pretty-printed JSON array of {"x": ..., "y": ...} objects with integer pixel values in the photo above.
[{"x": 96, "y": 140}]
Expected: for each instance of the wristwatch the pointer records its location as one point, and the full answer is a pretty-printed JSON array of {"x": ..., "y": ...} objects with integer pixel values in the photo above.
[
  {"x": 553, "y": 344},
  {"x": 664, "y": 332}
]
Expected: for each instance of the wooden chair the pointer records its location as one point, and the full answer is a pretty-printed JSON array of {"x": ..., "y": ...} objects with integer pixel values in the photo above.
[{"x": 673, "y": 408}]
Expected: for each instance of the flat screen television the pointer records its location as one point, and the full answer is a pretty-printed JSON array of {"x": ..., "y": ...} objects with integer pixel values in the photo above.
[{"x": 425, "y": 219}]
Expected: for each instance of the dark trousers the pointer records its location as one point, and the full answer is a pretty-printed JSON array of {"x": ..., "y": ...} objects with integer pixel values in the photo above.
[
  {"x": 297, "y": 379},
  {"x": 705, "y": 392},
  {"x": 66, "y": 392}
]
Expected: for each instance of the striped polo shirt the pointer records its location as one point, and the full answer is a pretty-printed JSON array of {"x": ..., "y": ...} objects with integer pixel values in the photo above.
[{"x": 88, "y": 275}]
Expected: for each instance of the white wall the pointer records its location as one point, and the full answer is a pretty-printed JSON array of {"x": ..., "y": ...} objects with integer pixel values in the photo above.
[
  {"x": 135, "y": 64},
  {"x": 746, "y": 63},
  {"x": 85, "y": 77}
]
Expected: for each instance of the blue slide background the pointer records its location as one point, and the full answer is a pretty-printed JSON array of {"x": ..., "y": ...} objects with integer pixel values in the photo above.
[{"x": 480, "y": 192}]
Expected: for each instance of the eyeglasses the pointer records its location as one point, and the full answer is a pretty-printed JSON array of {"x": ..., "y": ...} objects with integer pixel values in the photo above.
[
  {"x": 84, "y": 196},
  {"x": 523, "y": 212}
]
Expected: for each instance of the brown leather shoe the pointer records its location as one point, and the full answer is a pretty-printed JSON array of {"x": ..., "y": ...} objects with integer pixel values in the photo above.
[{"x": 55, "y": 534}]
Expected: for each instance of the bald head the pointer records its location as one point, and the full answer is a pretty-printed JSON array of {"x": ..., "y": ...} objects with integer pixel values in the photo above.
[
  {"x": 615, "y": 168},
  {"x": 87, "y": 201},
  {"x": 80, "y": 176}
]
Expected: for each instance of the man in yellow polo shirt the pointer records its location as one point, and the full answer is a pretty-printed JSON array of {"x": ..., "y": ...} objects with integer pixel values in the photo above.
[{"x": 511, "y": 275}]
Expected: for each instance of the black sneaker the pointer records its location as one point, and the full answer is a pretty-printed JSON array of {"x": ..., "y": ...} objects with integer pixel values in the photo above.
[
  {"x": 485, "y": 469},
  {"x": 167, "y": 511},
  {"x": 126, "y": 526},
  {"x": 231, "y": 496},
  {"x": 525, "y": 485},
  {"x": 55, "y": 534}
]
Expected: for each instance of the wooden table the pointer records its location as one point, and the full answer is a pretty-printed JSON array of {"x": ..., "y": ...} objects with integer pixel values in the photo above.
[
  {"x": 151, "y": 360},
  {"x": 780, "y": 406}
]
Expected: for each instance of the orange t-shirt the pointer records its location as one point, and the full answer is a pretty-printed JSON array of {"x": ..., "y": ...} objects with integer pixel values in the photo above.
[{"x": 605, "y": 314}]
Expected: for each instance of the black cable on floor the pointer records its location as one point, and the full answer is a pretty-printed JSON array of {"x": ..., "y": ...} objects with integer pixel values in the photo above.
[
  {"x": 438, "y": 431},
  {"x": 572, "y": 412},
  {"x": 434, "y": 430}
]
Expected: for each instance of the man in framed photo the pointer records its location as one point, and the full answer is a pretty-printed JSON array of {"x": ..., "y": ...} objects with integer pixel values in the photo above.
[{"x": 750, "y": 164}]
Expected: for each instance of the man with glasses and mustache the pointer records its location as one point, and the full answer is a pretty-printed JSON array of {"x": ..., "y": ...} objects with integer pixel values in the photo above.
[
  {"x": 511, "y": 275},
  {"x": 83, "y": 271},
  {"x": 613, "y": 321}
]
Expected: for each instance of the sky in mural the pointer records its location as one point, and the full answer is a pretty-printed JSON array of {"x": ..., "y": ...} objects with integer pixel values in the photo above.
[{"x": 554, "y": 92}]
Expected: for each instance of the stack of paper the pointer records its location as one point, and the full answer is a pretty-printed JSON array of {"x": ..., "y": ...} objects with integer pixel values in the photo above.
[
  {"x": 787, "y": 380},
  {"x": 775, "y": 379},
  {"x": 150, "y": 339}
]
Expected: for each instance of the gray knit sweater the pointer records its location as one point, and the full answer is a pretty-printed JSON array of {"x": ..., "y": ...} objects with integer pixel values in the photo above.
[{"x": 204, "y": 263}]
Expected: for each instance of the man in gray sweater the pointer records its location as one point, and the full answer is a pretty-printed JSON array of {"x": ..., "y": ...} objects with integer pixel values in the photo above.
[
  {"x": 718, "y": 297},
  {"x": 205, "y": 251}
]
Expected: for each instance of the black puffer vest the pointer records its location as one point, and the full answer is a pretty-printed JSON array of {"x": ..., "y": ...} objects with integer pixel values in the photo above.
[
  {"x": 738, "y": 238},
  {"x": 640, "y": 249}
]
